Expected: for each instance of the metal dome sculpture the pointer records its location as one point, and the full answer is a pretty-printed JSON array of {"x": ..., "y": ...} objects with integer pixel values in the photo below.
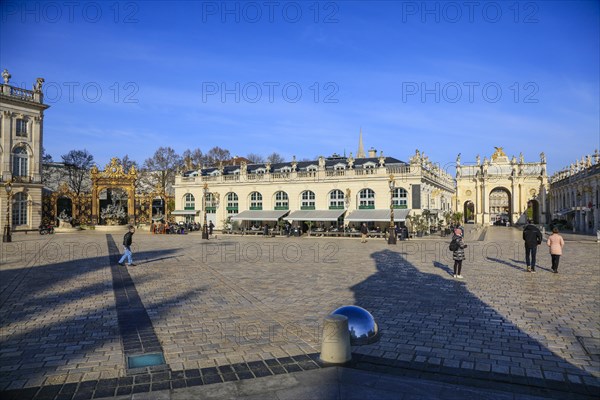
[{"x": 361, "y": 325}]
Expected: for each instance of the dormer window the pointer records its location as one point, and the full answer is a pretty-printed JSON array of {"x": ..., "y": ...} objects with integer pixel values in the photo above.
[
  {"x": 339, "y": 167},
  {"x": 286, "y": 169},
  {"x": 216, "y": 172},
  {"x": 369, "y": 165},
  {"x": 236, "y": 172},
  {"x": 260, "y": 171},
  {"x": 312, "y": 168}
]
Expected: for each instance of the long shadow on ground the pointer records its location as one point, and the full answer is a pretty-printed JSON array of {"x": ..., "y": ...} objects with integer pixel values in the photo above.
[{"x": 435, "y": 324}]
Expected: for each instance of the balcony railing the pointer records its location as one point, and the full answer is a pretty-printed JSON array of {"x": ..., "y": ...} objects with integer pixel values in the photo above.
[
  {"x": 400, "y": 173},
  {"x": 21, "y": 94},
  {"x": 22, "y": 179}
]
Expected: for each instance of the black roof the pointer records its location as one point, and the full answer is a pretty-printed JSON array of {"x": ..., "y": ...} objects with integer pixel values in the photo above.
[{"x": 300, "y": 165}]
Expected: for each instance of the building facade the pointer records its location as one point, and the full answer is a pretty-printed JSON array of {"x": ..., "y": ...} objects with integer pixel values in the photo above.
[
  {"x": 575, "y": 194},
  {"x": 21, "y": 139},
  {"x": 336, "y": 190},
  {"x": 502, "y": 190}
]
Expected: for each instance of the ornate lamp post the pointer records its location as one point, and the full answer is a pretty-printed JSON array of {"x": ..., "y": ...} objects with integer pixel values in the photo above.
[
  {"x": 205, "y": 225},
  {"x": 7, "y": 236},
  {"x": 392, "y": 228}
]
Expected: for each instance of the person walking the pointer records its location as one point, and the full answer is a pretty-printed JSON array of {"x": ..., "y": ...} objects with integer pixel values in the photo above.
[
  {"x": 127, "y": 240},
  {"x": 555, "y": 243},
  {"x": 363, "y": 233},
  {"x": 210, "y": 228},
  {"x": 533, "y": 238},
  {"x": 458, "y": 255}
]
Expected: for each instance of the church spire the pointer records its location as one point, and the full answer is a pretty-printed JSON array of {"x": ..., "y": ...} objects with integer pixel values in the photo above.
[{"x": 361, "y": 150}]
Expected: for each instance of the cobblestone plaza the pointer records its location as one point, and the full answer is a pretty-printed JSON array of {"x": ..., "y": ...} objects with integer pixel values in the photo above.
[{"x": 237, "y": 308}]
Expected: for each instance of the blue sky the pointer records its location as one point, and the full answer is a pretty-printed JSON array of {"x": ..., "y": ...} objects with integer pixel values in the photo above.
[{"x": 301, "y": 78}]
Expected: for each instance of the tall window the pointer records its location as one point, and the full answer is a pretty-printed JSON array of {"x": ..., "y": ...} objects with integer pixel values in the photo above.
[
  {"x": 281, "y": 201},
  {"x": 256, "y": 201},
  {"x": 366, "y": 199},
  {"x": 336, "y": 199},
  {"x": 19, "y": 210},
  {"x": 232, "y": 203},
  {"x": 21, "y": 127},
  {"x": 211, "y": 205},
  {"x": 308, "y": 200},
  {"x": 189, "y": 202},
  {"x": 400, "y": 198},
  {"x": 19, "y": 162}
]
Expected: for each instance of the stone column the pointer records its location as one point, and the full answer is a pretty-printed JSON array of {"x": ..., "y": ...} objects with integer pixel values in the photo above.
[
  {"x": 95, "y": 203},
  {"x": 484, "y": 204},
  {"x": 36, "y": 141},
  {"x": 6, "y": 144},
  {"x": 131, "y": 205},
  {"x": 477, "y": 205}
]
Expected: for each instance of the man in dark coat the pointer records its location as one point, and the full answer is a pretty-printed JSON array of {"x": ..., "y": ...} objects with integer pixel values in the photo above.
[
  {"x": 532, "y": 237},
  {"x": 127, "y": 240},
  {"x": 363, "y": 233}
]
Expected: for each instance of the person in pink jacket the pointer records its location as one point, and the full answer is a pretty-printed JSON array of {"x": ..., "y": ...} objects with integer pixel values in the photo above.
[{"x": 556, "y": 244}]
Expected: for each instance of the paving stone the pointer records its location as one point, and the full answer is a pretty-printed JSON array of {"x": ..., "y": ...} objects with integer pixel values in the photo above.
[{"x": 209, "y": 312}]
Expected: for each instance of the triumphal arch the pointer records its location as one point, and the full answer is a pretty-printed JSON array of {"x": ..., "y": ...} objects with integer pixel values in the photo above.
[{"x": 502, "y": 190}]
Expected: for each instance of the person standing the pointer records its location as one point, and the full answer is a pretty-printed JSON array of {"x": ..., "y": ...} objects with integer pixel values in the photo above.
[
  {"x": 127, "y": 240},
  {"x": 533, "y": 238},
  {"x": 555, "y": 243},
  {"x": 363, "y": 233},
  {"x": 458, "y": 255},
  {"x": 210, "y": 228}
]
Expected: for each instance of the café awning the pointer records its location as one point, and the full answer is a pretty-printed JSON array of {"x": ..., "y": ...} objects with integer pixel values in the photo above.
[
  {"x": 185, "y": 212},
  {"x": 259, "y": 215},
  {"x": 376, "y": 215},
  {"x": 315, "y": 215}
]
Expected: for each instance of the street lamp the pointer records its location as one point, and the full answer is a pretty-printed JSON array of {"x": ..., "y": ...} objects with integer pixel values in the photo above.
[
  {"x": 7, "y": 237},
  {"x": 392, "y": 228},
  {"x": 205, "y": 226}
]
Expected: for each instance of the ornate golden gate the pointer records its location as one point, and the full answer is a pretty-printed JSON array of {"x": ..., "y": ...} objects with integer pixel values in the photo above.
[{"x": 113, "y": 177}]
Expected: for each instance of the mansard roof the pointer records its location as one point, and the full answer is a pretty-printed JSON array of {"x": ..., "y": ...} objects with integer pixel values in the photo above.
[{"x": 300, "y": 165}]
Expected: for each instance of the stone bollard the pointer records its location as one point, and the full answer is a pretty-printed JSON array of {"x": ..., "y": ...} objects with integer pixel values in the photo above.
[{"x": 335, "y": 346}]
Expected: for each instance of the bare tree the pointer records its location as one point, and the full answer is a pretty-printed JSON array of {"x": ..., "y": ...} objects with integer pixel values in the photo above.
[
  {"x": 160, "y": 169},
  {"x": 127, "y": 163},
  {"x": 77, "y": 169},
  {"x": 76, "y": 172},
  {"x": 47, "y": 170},
  {"x": 255, "y": 158},
  {"x": 217, "y": 154},
  {"x": 275, "y": 158},
  {"x": 193, "y": 159}
]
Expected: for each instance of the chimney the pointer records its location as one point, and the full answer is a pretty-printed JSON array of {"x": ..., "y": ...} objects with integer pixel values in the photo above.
[{"x": 372, "y": 153}]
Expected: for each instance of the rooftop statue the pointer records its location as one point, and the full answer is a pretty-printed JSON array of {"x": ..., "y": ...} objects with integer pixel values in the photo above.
[{"x": 498, "y": 153}]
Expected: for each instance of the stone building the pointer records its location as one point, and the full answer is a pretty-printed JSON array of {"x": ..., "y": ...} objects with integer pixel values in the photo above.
[
  {"x": 502, "y": 189},
  {"x": 21, "y": 139},
  {"x": 575, "y": 194},
  {"x": 331, "y": 191}
]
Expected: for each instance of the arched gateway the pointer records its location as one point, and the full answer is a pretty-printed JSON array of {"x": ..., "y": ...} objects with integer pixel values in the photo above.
[
  {"x": 503, "y": 189},
  {"x": 113, "y": 177}
]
